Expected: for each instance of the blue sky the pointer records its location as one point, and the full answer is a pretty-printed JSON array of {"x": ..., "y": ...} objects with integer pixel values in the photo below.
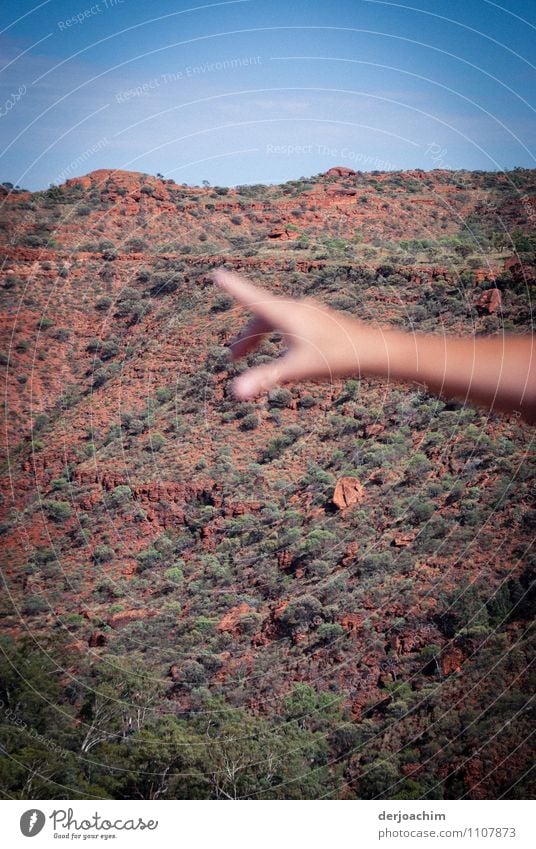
[{"x": 263, "y": 90}]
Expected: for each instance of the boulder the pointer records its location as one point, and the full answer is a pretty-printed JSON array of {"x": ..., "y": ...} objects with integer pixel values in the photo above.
[
  {"x": 340, "y": 171},
  {"x": 348, "y": 491},
  {"x": 282, "y": 234},
  {"x": 231, "y": 620},
  {"x": 352, "y": 621},
  {"x": 97, "y": 639},
  {"x": 490, "y": 301},
  {"x": 402, "y": 540},
  {"x": 452, "y": 660},
  {"x": 350, "y": 553},
  {"x": 373, "y": 430}
]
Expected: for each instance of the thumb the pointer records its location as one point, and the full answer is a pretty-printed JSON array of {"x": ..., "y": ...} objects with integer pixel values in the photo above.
[{"x": 256, "y": 381}]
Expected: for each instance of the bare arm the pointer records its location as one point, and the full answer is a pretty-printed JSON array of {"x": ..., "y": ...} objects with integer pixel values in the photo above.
[{"x": 496, "y": 371}]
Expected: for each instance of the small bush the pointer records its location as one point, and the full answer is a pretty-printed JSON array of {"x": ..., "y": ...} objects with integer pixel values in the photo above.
[
  {"x": 58, "y": 483},
  {"x": 57, "y": 510},
  {"x": 103, "y": 303},
  {"x": 61, "y": 334},
  {"x": 175, "y": 575},
  {"x": 103, "y": 553},
  {"x": 148, "y": 558},
  {"x": 101, "y": 375},
  {"x": 329, "y": 632},
  {"x": 120, "y": 495},
  {"x": 249, "y": 422},
  {"x": 193, "y": 672},
  {"x": 302, "y": 611},
  {"x": 36, "y": 604},
  {"x": 136, "y": 245},
  {"x": 163, "y": 394},
  {"x": 422, "y": 510},
  {"x": 222, "y": 303},
  {"x": 108, "y": 349},
  {"x": 156, "y": 442},
  {"x": 279, "y": 398}
]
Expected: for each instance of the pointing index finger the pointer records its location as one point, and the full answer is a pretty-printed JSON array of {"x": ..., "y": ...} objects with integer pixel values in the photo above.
[{"x": 260, "y": 301}]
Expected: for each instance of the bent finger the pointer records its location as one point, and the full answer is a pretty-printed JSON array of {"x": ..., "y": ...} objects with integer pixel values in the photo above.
[
  {"x": 256, "y": 381},
  {"x": 249, "y": 337}
]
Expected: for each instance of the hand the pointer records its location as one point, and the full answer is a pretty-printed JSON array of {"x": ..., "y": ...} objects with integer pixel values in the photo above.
[{"x": 321, "y": 342}]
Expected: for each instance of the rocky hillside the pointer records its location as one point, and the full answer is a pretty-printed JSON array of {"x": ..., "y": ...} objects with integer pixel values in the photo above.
[{"x": 341, "y": 571}]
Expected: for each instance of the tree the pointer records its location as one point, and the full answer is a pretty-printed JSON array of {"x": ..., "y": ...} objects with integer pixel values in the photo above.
[
  {"x": 117, "y": 703},
  {"x": 301, "y": 611},
  {"x": 248, "y": 757}
]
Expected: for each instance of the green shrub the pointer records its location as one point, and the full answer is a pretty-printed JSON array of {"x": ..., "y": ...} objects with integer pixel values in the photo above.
[
  {"x": 44, "y": 323},
  {"x": 174, "y": 574},
  {"x": 378, "y": 561},
  {"x": 35, "y": 604},
  {"x": 120, "y": 495},
  {"x": 422, "y": 510},
  {"x": 163, "y": 394},
  {"x": 156, "y": 442},
  {"x": 148, "y": 558},
  {"x": 103, "y": 553},
  {"x": 136, "y": 245},
  {"x": 217, "y": 359},
  {"x": 58, "y": 483},
  {"x": 330, "y": 632},
  {"x": 250, "y": 623},
  {"x": 93, "y": 345},
  {"x": 165, "y": 283},
  {"x": 249, "y": 422},
  {"x": 205, "y": 624},
  {"x": 301, "y": 611},
  {"x": 101, "y": 375},
  {"x": 276, "y": 447},
  {"x": 41, "y": 421},
  {"x": 222, "y": 303},
  {"x": 279, "y": 398},
  {"x": 57, "y": 510},
  {"x": 103, "y": 304},
  {"x": 108, "y": 349},
  {"x": 193, "y": 673},
  {"x": 418, "y": 465},
  {"x": 128, "y": 303}
]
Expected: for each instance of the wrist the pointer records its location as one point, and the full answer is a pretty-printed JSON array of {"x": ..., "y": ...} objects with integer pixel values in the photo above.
[{"x": 379, "y": 351}]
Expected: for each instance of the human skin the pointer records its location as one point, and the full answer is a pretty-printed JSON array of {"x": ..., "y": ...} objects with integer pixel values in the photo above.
[{"x": 498, "y": 372}]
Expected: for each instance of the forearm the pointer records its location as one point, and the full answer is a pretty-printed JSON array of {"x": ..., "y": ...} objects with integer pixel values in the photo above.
[{"x": 498, "y": 372}]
